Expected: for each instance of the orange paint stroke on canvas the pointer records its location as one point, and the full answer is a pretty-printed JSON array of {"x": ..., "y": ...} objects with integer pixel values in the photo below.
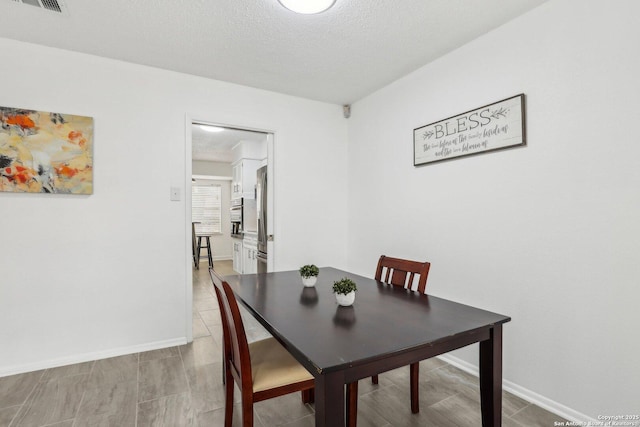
[
  {"x": 66, "y": 171},
  {"x": 19, "y": 174},
  {"x": 77, "y": 137},
  {"x": 23, "y": 121}
]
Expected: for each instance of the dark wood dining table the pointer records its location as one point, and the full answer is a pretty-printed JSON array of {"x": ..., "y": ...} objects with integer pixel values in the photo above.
[{"x": 387, "y": 327}]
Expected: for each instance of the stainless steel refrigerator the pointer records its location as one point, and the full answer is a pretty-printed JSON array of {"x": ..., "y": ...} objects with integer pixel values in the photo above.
[{"x": 261, "y": 204}]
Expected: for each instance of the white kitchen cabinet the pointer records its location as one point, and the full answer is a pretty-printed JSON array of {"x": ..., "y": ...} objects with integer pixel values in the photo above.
[
  {"x": 249, "y": 149},
  {"x": 250, "y": 254},
  {"x": 237, "y": 255},
  {"x": 236, "y": 180},
  {"x": 243, "y": 181}
]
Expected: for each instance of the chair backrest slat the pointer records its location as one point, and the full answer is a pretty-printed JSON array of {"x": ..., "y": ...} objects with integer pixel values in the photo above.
[
  {"x": 226, "y": 339},
  {"x": 237, "y": 347},
  {"x": 397, "y": 269}
]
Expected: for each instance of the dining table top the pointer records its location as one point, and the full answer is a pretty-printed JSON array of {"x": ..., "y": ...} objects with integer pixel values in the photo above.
[{"x": 383, "y": 321}]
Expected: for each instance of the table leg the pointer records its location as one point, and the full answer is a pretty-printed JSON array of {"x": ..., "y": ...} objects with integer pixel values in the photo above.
[
  {"x": 329, "y": 396},
  {"x": 491, "y": 378},
  {"x": 352, "y": 404}
]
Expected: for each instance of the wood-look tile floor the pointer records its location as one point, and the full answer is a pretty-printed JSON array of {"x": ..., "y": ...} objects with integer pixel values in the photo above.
[{"x": 182, "y": 386}]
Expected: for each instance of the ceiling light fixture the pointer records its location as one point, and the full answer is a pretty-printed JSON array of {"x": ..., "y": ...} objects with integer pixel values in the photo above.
[
  {"x": 211, "y": 128},
  {"x": 307, "y": 7}
]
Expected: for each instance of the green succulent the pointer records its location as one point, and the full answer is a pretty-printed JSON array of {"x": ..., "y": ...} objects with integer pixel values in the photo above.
[
  {"x": 344, "y": 286},
  {"x": 309, "y": 270}
]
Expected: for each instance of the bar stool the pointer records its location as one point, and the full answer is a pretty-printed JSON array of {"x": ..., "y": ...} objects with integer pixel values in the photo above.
[
  {"x": 194, "y": 246},
  {"x": 208, "y": 246}
]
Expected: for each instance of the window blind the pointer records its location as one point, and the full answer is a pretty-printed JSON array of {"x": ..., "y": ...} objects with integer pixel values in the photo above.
[{"x": 206, "y": 208}]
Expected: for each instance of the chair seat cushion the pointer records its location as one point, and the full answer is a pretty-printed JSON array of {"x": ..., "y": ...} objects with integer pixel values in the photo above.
[{"x": 273, "y": 366}]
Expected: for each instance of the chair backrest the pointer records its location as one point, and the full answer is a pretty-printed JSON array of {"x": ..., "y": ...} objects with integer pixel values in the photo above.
[
  {"x": 236, "y": 347},
  {"x": 226, "y": 338},
  {"x": 401, "y": 272}
]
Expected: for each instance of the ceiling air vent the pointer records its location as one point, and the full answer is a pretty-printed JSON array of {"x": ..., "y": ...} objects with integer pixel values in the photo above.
[{"x": 51, "y": 5}]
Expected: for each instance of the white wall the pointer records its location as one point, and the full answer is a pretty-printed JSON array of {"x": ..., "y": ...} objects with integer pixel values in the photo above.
[
  {"x": 548, "y": 234},
  {"x": 86, "y": 277},
  {"x": 202, "y": 167}
]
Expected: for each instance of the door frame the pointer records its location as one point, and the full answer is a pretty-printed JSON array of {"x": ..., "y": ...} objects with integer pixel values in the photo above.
[{"x": 190, "y": 120}]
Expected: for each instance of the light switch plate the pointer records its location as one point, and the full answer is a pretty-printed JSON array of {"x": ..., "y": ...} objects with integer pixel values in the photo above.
[{"x": 175, "y": 194}]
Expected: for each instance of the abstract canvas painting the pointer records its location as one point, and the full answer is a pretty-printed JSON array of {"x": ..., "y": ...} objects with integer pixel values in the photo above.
[{"x": 42, "y": 152}]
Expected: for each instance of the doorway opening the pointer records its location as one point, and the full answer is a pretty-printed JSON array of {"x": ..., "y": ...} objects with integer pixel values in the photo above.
[{"x": 229, "y": 199}]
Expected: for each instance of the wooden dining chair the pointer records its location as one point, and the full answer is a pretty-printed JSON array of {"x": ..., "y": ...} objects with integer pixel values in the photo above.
[
  {"x": 402, "y": 273},
  {"x": 262, "y": 369},
  {"x": 396, "y": 270}
]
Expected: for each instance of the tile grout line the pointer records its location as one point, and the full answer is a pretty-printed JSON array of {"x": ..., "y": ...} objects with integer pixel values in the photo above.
[
  {"x": 520, "y": 410},
  {"x": 444, "y": 400},
  {"x": 84, "y": 392},
  {"x": 186, "y": 377},
  {"x": 516, "y": 421},
  {"x": 24, "y": 403},
  {"x": 26, "y": 399},
  {"x": 14, "y": 417},
  {"x": 137, "y": 391},
  {"x": 58, "y": 422},
  {"x": 162, "y": 397}
]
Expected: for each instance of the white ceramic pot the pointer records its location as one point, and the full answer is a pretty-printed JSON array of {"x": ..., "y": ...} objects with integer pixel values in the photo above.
[
  {"x": 346, "y": 300},
  {"x": 309, "y": 281}
]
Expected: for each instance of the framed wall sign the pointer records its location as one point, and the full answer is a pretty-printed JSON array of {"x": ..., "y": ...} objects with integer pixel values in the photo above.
[{"x": 493, "y": 127}]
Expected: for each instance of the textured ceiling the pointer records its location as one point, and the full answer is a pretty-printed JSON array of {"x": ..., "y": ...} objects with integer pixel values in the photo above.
[
  {"x": 338, "y": 56},
  {"x": 216, "y": 146}
]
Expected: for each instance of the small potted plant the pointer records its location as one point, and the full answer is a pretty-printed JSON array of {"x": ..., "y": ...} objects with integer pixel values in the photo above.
[
  {"x": 309, "y": 274},
  {"x": 345, "y": 290}
]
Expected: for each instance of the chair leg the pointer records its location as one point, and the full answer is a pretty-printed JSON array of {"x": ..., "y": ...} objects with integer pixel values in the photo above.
[
  {"x": 194, "y": 250},
  {"x": 352, "y": 404},
  {"x": 247, "y": 413},
  {"x": 198, "y": 249},
  {"x": 228, "y": 404},
  {"x": 307, "y": 396},
  {"x": 193, "y": 246},
  {"x": 209, "y": 254},
  {"x": 374, "y": 379},
  {"x": 414, "y": 371}
]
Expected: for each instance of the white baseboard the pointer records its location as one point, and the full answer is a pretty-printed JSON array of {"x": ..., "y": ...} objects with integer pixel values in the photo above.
[
  {"x": 87, "y": 357},
  {"x": 523, "y": 393}
]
